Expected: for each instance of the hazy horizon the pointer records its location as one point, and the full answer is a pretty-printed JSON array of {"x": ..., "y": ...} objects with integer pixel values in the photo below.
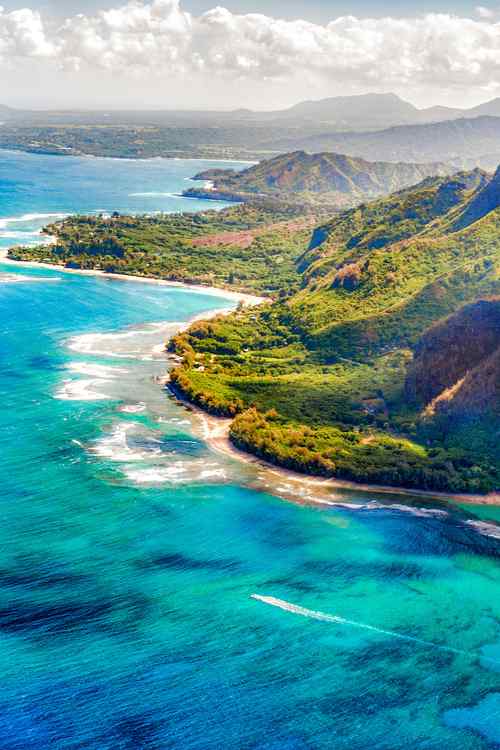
[{"x": 229, "y": 108}]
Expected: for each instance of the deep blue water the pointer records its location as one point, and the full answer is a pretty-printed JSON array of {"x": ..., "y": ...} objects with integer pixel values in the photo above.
[{"x": 129, "y": 551}]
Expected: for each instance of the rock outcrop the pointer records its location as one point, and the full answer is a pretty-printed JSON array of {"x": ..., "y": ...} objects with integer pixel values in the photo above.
[{"x": 456, "y": 366}]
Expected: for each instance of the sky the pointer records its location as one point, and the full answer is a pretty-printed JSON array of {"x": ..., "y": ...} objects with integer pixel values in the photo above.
[
  {"x": 264, "y": 54},
  {"x": 319, "y": 11}
]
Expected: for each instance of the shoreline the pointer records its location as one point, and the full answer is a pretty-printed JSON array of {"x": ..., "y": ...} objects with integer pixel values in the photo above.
[
  {"x": 247, "y": 299},
  {"x": 216, "y": 429},
  {"x": 216, "y": 435},
  {"x": 31, "y": 152}
]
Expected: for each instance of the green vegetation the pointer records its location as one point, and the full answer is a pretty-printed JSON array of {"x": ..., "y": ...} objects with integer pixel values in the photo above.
[
  {"x": 376, "y": 458},
  {"x": 316, "y": 379},
  {"x": 317, "y": 178},
  {"x": 140, "y": 141},
  {"x": 252, "y": 248},
  {"x": 254, "y": 136}
]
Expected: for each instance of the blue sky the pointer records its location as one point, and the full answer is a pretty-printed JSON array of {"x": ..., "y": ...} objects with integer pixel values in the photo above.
[{"x": 316, "y": 10}]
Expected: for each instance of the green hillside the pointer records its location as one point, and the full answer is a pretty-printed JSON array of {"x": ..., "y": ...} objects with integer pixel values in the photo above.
[
  {"x": 325, "y": 177},
  {"x": 317, "y": 380},
  {"x": 251, "y": 248}
]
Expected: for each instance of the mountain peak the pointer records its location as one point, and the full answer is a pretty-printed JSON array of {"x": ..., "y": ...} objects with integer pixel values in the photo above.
[{"x": 487, "y": 199}]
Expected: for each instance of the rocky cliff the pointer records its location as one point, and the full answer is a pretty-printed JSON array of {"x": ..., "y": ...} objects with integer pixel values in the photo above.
[{"x": 456, "y": 367}]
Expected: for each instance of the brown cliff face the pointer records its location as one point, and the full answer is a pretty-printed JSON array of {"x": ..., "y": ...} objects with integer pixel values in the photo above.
[
  {"x": 486, "y": 199},
  {"x": 477, "y": 395},
  {"x": 457, "y": 361}
]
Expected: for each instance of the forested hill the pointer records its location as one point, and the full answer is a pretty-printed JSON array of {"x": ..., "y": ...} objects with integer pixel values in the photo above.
[
  {"x": 325, "y": 177},
  {"x": 319, "y": 382},
  {"x": 318, "y": 378}
]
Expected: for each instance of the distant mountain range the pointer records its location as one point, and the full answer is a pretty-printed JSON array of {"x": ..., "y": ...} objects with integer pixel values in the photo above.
[
  {"x": 464, "y": 141},
  {"x": 339, "y": 113},
  {"x": 325, "y": 177},
  {"x": 375, "y": 127},
  {"x": 381, "y": 110}
]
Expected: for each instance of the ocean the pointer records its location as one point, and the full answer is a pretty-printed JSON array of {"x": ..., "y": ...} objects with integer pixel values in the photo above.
[{"x": 156, "y": 594}]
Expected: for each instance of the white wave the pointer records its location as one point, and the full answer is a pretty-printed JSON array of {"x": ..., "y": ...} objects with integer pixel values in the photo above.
[
  {"x": 339, "y": 502},
  {"x": 133, "y": 408},
  {"x": 486, "y": 529},
  {"x": 153, "y": 195},
  {"x": 114, "y": 446},
  {"x": 116, "y": 344},
  {"x": 174, "y": 420},
  {"x": 103, "y": 372},
  {"x": 413, "y": 510},
  {"x": 6, "y": 220},
  {"x": 15, "y": 278},
  {"x": 213, "y": 474},
  {"x": 82, "y": 390},
  {"x": 174, "y": 474},
  {"x": 95, "y": 343},
  {"x": 89, "y": 388}
]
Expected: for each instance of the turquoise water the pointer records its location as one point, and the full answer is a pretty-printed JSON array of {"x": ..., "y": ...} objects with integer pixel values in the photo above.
[
  {"x": 129, "y": 550},
  {"x": 37, "y": 189}
]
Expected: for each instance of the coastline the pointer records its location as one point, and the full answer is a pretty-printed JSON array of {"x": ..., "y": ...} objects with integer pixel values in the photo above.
[
  {"x": 216, "y": 435},
  {"x": 247, "y": 299},
  {"x": 216, "y": 429},
  {"x": 173, "y": 157}
]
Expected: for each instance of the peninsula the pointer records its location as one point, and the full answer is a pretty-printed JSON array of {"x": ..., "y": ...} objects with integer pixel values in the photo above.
[{"x": 326, "y": 377}]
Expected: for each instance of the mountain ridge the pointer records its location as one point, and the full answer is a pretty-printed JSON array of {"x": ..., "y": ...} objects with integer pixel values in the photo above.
[
  {"x": 316, "y": 379},
  {"x": 323, "y": 177},
  {"x": 369, "y": 111},
  {"x": 462, "y": 139},
  {"x": 316, "y": 382}
]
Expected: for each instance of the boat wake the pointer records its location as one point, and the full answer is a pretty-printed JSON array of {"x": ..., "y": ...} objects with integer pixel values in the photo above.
[{"x": 337, "y": 620}]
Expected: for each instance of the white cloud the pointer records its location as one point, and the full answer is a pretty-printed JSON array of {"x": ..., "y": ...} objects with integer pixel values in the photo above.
[
  {"x": 161, "y": 39},
  {"x": 485, "y": 12},
  {"x": 22, "y": 34},
  {"x": 155, "y": 37}
]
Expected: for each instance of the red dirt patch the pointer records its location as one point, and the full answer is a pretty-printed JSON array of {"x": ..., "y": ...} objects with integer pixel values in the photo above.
[{"x": 245, "y": 237}]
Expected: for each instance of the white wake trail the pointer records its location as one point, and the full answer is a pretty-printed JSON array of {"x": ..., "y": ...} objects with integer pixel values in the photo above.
[{"x": 336, "y": 619}]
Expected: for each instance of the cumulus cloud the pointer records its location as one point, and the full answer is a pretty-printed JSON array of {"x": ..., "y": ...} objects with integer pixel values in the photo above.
[
  {"x": 155, "y": 37},
  {"x": 22, "y": 34},
  {"x": 161, "y": 38}
]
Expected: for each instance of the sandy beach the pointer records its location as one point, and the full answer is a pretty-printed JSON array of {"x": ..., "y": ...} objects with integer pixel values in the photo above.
[
  {"x": 247, "y": 299},
  {"x": 215, "y": 430}
]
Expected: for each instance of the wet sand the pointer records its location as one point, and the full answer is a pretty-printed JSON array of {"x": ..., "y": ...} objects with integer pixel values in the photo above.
[
  {"x": 215, "y": 431},
  {"x": 247, "y": 299}
]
